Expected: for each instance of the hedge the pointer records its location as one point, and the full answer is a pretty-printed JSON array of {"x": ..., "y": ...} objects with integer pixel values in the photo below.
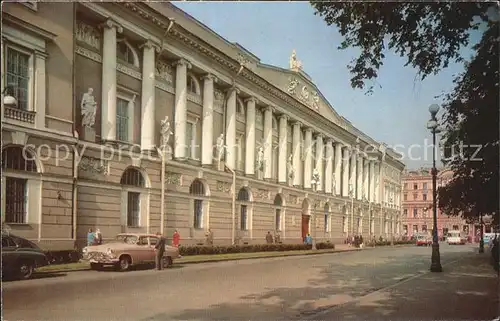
[{"x": 208, "y": 250}]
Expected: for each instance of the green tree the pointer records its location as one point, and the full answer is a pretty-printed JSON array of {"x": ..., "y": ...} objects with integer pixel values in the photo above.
[{"x": 430, "y": 36}]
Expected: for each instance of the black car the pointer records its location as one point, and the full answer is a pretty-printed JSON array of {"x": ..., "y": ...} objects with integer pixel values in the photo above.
[{"x": 21, "y": 257}]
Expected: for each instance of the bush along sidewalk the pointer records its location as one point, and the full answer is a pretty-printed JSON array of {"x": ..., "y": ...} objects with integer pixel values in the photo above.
[{"x": 73, "y": 256}]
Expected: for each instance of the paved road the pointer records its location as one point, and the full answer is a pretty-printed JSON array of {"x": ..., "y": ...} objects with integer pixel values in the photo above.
[{"x": 263, "y": 289}]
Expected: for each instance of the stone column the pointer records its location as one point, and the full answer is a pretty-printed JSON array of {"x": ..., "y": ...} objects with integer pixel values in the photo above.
[
  {"x": 338, "y": 168},
  {"x": 308, "y": 158},
  {"x": 180, "y": 113},
  {"x": 40, "y": 94},
  {"x": 268, "y": 142},
  {"x": 359, "y": 180},
  {"x": 148, "y": 97},
  {"x": 365, "y": 179},
  {"x": 345, "y": 171},
  {"x": 108, "y": 99},
  {"x": 250, "y": 137},
  {"x": 319, "y": 161},
  {"x": 377, "y": 181},
  {"x": 231, "y": 128},
  {"x": 372, "y": 181},
  {"x": 282, "y": 151},
  {"x": 352, "y": 173},
  {"x": 207, "y": 138},
  {"x": 296, "y": 140},
  {"x": 329, "y": 167}
]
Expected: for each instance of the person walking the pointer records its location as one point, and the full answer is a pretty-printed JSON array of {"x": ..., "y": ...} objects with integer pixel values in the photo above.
[
  {"x": 159, "y": 251},
  {"x": 176, "y": 238},
  {"x": 90, "y": 237},
  {"x": 98, "y": 237},
  {"x": 269, "y": 238}
]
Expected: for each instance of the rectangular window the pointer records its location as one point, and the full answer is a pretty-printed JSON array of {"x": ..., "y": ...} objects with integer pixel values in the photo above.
[
  {"x": 424, "y": 186},
  {"x": 415, "y": 186},
  {"x": 278, "y": 220},
  {"x": 405, "y": 186},
  {"x": 405, "y": 229},
  {"x": 424, "y": 228},
  {"x": 244, "y": 218},
  {"x": 133, "y": 209},
  {"x": 239, "y": 153},
  {"x": 415, "y": 196},
  {"x": 415, "y": 213},
  {"x": 344, "y": 224},
  {"x": 18, "y": 76},
  {"x": 405, "y": 197},
  {"x": 405, "y": 212},
  {"x": 424, "y": 197},
  {"x": 198, "y": 214},
  {"x": 16, "y": 199},
  {"x": 122, "y": 120},
  {"x": 327, "y": 227},
  {"x": 415, "y": 228},
  {"x": 455, "y": 227}
]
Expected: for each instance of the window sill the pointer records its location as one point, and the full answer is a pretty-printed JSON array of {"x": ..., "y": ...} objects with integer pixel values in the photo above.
[
  {"x": 17, "y": 224},
  {"x": 134, "y": 226}
]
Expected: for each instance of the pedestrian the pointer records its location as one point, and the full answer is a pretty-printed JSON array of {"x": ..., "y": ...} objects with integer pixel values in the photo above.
[
  {"x": 176, "y": 238},
  {"x": 90, "y": 237},
  {"x": 209, "y": 237},
  {"x": 269, "y": 238},
  {"x": 361, "y": 244},
  {"x": 308, "y": 239},
  {"x": 98, "y": 237},
  {"x": 277, "y": 237},
  {"x": 159, "y": 250}
]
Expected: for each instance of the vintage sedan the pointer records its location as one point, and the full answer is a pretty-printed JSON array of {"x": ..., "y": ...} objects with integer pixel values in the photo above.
[
  {"x": 21, "y": 257},
  {"x": 423, "y": 240},
  {"x": 126, "y": 250}
]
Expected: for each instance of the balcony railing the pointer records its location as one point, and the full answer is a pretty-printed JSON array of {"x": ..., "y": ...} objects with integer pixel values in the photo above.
[{"x": 19, "y": 114}]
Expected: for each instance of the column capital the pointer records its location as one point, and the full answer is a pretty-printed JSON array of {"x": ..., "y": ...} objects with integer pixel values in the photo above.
[
  {"x": 231, "y": 89},
  {"x": 209, "y": 76},
  {"x": 284, "y": 116},
  {"x": 149, "y": 44},
  {"x": 183, "y": 62},
  {"x": 330, "y": 141},
  {"x": 110, "y": 23},
  {"x": 251, "y": 99},
  {"x": 270, "y": 108},
  {"x": 297, "y": 123},
  {"x": 308, "y": 128},
  {"x": 318, "y": 135}
]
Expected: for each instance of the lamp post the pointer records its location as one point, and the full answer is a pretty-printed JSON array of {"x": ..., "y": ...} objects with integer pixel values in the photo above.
[
  {"x": 8, "y": 98},
  {"x": 432, "y": 124},
  {"x": 351, "y": 195},
  {"x": 314, "y": 182},
  {"x": 481, "y": 226}
]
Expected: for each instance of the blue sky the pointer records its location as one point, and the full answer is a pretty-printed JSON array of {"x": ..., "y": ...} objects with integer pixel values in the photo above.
[{"x": 396, "y": 113}]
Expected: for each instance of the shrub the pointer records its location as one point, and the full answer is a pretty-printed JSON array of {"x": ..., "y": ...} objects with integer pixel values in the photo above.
[
  {"x": 63, "y": 257},
  {"x": 253, "y": 248}
]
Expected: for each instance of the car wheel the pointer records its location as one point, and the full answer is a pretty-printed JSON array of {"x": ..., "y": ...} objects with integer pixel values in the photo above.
[
  {"x": 167, "y": 262},
  {"x": 26, "y": 269},
  {"x": 124, "y": 264},
  {"x": 95, "y": 266}
]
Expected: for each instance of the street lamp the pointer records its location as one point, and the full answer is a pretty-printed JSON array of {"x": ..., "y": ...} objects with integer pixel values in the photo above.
[
  {"x": 481, "y": 241},
  {"x": 7, "y": 97},
  {"x": 432, "y": 124},
  {"x": 314, "y": 182},
  {"x": 351, "y": 195}
]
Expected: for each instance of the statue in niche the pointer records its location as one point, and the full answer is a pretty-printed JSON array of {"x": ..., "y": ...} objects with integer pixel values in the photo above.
[
  {"x": 165, "y": 132},
  {"x": 260, "y": 158},
  {"x": 88, "y": 109},
  {"x": 220, "y": 147},
  {"x": 295, "y": 64},
  {"x": 291, "y": 170}
]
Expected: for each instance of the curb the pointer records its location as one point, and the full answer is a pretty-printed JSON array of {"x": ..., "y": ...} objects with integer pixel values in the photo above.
[{"x": 246, "y": 258}]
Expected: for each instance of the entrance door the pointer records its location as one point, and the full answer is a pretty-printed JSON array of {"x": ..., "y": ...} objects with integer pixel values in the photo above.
[{"x": 305, "y": 225}]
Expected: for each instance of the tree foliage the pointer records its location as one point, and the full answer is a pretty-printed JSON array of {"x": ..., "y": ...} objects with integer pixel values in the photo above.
[{"x": 430, "y": 36}]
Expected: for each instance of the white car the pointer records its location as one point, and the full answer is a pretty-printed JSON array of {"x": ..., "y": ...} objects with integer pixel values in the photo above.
[{"x": 454, "y": 237}]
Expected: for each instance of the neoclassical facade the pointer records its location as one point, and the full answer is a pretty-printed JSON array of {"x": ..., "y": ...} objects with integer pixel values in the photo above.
[{"x": 136, "y": 117}]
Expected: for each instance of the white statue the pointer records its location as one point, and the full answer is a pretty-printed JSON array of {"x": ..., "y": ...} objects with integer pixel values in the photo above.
[
  {"x": 88, "y": 108},
  {"x": 220, "y": 146},
  {"x": 165, "y": 132},
  {"x": 316, "y": 173},
  {"x": 260, "y": 157},
  {"x": 291, "y": 170},
  {"x": 294, "y": 62}
]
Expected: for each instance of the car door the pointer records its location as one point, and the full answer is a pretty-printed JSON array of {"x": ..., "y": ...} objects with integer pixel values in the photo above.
[
  {"x": 9, "y": 252},
  {"x": 143, "y": 250},
  {"x": 152, "y": 243}
]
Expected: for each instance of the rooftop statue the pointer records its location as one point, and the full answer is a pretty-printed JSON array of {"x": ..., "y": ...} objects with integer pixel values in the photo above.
[{"x": 295, "y": 64}]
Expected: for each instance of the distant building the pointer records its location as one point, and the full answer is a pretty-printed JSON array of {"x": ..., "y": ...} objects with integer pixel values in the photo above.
[{"x": 417, "y": 204}]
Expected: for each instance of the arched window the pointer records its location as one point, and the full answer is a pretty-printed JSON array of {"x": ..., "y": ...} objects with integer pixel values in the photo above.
[
  {"x": 278, "y": 203},
  {"x": 16, "y": 189},
  {"x": 327, "y": 217},
  {"x": 126, "y": 53},
  {"x": 192, "y": 85},
  {"x": 197, "y": 189},
  {"x": 244, "y": 198},
  {"x": 132, "y": 178},
  {"x": 240, "y": 108}
]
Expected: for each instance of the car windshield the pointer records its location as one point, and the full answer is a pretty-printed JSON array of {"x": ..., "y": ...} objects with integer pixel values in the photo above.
[{"x": 129, "y": 239}]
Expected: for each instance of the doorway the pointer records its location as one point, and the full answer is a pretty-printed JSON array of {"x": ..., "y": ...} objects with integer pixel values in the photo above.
[{"x": 305, "y": 225}]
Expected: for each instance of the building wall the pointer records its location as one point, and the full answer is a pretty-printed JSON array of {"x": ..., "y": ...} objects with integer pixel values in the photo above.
[{"x": 78, "y": 185}]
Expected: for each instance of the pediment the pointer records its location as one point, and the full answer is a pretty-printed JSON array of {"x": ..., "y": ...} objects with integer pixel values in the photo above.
[{"x": 298, "y": 84}]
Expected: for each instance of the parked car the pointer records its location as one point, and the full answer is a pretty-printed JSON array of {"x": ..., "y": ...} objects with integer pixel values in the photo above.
[
  {"x": 126, "y": 250},
  {"x": 455, "y": 237},
  {"x": 423, "y": 240},
  {"x": 21, "y": 257}
]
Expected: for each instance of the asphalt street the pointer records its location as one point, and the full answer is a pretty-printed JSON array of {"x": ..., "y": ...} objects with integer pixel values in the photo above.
[{"x": 263, "y": 289}]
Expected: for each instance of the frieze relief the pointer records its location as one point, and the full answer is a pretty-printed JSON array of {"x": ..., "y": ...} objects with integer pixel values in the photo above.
[
  {"x": 219, "y": 101},
  {"x": 93, "y": 165},
  {"x": 303, "y": 93},
  {"x": 292, "y": 199},
  {"x": 88, "y": 35},
  {"x": 223, "y": 187},
  {"x": 164, "y": 72},
  {"x": 172, "y": 178},
  {"x": 262, "y": 194}
]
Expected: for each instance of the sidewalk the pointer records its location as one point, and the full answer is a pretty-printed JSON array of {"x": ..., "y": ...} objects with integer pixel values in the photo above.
[{"x": 465, "y": 290}]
